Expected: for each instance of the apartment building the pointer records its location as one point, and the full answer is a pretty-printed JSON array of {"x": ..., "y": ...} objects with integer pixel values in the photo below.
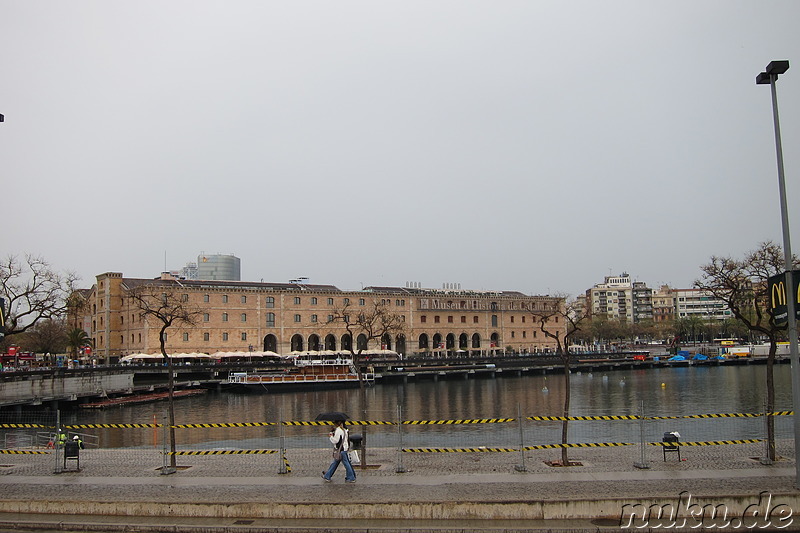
[
  {"x": 699, "y": 303},
  {"x": 620, "y": 298},
  {"x": 663, "y": 300}
]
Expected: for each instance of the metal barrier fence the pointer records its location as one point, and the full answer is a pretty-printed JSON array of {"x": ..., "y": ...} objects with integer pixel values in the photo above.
[{"x": 31, "y": 443}]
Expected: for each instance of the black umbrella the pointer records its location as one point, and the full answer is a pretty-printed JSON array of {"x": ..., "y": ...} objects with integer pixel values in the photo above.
[{"x": 333, "y": 416}]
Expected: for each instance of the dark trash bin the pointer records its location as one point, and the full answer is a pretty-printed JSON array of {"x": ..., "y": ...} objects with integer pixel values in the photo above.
[
  {"x": 671, "y": 437},
  {"x": 356, "y": 442}
]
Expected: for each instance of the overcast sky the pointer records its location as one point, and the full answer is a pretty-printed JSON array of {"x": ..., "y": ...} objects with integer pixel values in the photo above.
[{"x": 534, "y": 146}]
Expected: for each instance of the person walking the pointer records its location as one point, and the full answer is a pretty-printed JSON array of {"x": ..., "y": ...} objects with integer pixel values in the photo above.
[{"x": 340, "y": 438}]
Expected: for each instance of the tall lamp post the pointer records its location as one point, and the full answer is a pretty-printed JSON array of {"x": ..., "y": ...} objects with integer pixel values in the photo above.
[{"x": 770, "y": 76}]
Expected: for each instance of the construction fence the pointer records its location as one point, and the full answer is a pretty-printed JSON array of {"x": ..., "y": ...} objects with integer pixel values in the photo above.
[{"x": 33, "y": 443}]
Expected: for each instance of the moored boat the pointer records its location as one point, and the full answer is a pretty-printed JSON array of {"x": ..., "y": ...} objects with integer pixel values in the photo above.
[{"x": 305, "y": 374}]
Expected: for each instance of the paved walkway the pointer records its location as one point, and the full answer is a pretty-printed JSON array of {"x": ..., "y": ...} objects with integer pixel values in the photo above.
[{"x": 441, "y": 492}]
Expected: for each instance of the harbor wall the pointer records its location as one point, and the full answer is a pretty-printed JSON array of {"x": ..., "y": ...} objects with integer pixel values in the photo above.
[
  {"x": 44, "y": 388},
  {"x": 737, "y": 506}
]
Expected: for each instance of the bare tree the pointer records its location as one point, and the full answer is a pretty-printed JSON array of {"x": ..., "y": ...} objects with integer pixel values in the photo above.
[
  {"x": 371, "y": 323},
  {"x": 33, "y": 292},
  {"x": 561, "y": 322},
  {"x": 47, "y": 336},
  {"x": 167, "y": 307},
  {"x": 742, "y": 285}
]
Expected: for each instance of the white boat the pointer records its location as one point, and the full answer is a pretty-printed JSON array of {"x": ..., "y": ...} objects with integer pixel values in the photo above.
[{"x": 305, "y": 374}]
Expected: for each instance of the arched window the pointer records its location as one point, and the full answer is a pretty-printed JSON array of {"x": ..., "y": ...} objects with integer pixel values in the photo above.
[
  {"x": 330, "y": 342},
  {"x": 271, "y": 343},
  {"x": 361, "y": 342},
  {"x": 463, "y": 341},
  {"x": 400, "y": 344},
  {"x": 437, "y": 342},
  {"x": 423, "y": 342},
  {"x": 347, "y": 342},
  {"x": 476, "y": 341},
  {"x": 313, "y": 342},
  {"x": 297, "y": 343}
]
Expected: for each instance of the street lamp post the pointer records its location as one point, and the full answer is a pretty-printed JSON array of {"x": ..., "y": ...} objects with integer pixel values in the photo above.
[{"x": 770, "y": 76}]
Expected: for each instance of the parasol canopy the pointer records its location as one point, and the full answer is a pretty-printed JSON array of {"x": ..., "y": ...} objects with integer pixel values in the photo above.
[{"x": 333, "y": 416}]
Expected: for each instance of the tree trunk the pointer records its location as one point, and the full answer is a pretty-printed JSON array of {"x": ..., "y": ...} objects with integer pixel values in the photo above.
[
  {"x": 170, "y": 400},
  {"x": 565, "y": 422},
  {"x": 363, "y": 398},
  {"x": 773, "y": 348}
]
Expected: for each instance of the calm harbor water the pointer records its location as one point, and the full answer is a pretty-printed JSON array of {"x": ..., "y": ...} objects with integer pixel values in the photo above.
[{"x": 661, "y": 392}]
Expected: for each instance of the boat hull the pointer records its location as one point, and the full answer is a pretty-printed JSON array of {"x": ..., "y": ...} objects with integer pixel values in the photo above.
[
  {"x": 316, "y": 375},
  {"x": 300, "y": 386}
]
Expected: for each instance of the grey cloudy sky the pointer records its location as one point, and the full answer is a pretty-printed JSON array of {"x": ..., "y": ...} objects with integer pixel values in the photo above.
[{"x": 521, "y": 145}]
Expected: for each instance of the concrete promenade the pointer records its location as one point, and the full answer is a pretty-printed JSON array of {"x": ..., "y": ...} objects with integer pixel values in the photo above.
[{"x": 438, "y": 492}]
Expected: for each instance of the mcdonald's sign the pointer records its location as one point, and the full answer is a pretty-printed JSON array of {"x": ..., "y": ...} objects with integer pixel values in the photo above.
[{"x": 777, "y": 298}]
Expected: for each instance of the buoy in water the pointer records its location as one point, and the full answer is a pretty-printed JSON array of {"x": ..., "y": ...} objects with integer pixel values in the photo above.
[{"x": 663, "y": 385}]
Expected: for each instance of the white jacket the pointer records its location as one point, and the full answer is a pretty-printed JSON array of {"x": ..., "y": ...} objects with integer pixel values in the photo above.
[{"x": 338, "y": 434}]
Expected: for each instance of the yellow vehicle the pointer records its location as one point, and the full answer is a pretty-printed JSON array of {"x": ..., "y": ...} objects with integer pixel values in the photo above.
[{"x": 738, "y": 351}]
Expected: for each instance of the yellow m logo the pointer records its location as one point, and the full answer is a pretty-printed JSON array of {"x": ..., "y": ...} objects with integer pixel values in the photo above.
[{"x": 778, "y": 294}]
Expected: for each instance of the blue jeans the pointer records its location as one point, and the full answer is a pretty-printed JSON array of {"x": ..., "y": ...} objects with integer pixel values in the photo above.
[{"x": 350, "y": 474}]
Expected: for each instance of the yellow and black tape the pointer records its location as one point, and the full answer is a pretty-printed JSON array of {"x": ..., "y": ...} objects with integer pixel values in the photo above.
[
  {"x": 222, "y": 452},
  {"x": 286, "y": 464},
  {"x": 369, "y": 423},
  {"x": 458, "y": 450},
  {"x": 404, "y": 422},
  {"x": 467, "y": 421},
  {"x": 225, "y": 425},
  {"x": 111, "y": 426},
  {"x": 329, "y": 423},
  {"x": 561, "y": 418},
  {"x": 722, "y": 415},
  {"x": 577, "y": 445},
  {"x": 707, "y": 443},
  {"x": 306, "y": 423},
  {"x": 23, "y": 452}
]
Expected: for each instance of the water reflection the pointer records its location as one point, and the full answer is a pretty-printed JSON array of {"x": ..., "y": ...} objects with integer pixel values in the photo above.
[{"x": 661, "y": 392}]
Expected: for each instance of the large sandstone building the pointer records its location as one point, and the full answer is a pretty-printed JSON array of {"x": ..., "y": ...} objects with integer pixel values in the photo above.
[{"x": 286, "y": 317}]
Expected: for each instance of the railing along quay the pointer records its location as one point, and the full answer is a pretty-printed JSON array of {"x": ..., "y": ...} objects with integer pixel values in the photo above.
[{"x": 29, "y": 443}]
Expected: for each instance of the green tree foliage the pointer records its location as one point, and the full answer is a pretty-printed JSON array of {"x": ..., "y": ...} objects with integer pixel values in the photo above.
[{"x": 77, "y": 339}]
